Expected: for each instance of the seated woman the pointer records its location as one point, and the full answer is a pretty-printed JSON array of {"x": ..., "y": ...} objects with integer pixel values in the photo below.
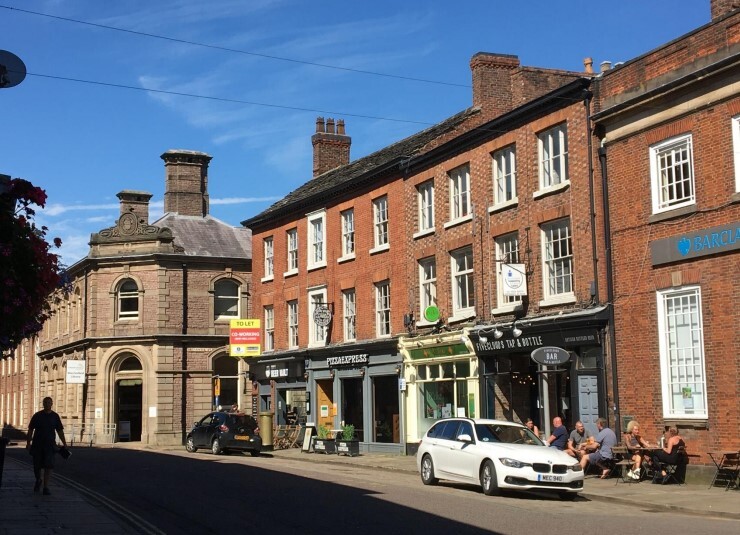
[
  {"x": 634, "y": 441},
  {"x": 670, "y": 454},
  {"x": 530, "y": 424}
]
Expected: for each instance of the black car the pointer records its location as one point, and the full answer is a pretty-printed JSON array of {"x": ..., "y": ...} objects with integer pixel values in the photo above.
[{"x": 225, "y": 431}]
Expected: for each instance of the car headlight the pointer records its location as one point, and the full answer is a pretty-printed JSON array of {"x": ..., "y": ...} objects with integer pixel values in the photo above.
[
  {"x": 513, "y": 463},
  {"x": 575, "y": 467}
]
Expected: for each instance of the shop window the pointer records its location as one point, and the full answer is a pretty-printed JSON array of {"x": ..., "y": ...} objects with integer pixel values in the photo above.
[{"x": 386, "y": 421}]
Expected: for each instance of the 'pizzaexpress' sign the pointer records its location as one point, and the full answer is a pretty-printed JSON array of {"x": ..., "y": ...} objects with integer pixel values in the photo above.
[{"x": 347, "y": 360}]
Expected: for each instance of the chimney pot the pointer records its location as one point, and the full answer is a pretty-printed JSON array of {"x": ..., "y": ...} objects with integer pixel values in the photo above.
[
  {"x": 340, "y": 127},
  {"x": 588, "y": 65},
  {"x": 320, "y": 124},
  {"x": 330, "y": 126},
  {"x": 606, "y": 65}
]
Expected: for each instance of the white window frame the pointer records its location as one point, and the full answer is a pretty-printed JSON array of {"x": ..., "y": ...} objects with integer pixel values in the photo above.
[
  {"x": 460, "y": 202},
  {"x": 427, "y": 286},
  {"x": 507, "y": 252},
  {"x": 126, "y": 295},
  {"x": 383, "y": 309},
  {"x": 349, "y": 314},
  {"x": 463, "y": 282},
  {"x": 348, "y": 235},
  {"x": 292, "y": 323},
  {"x": 380, "y": 224},
  {"x": 557, "y": 265},
  {"x": 736, "y": 150},
  {"x": 553, "y": 166},
  {"x": 291, "y": 239},
  {"x": 504, "y": 177},
  {"x": 425, "y": 203},
  {"x": 316, "y": 333},
  {"x": 682, "y": 366},
  {"x": 316, "y": 223},
  {"x": 269, "y": 314},
  {"x": 226, "y": 298},
  {"x": 268, "y": 250},
  {"x": 664, "y": 182}
]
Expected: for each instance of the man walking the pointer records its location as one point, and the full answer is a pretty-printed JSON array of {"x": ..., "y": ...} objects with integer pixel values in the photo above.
[{"x": 41, "y": 443}]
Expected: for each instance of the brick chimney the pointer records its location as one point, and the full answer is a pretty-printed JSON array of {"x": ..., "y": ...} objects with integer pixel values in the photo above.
[
  {"x": 492, "y": 82},
  {"x": 186, "y": 182},
  {"x": 721, "y": 8},
  {"x": 330, "y": 146},
  {"x": 136, "y": 202}
]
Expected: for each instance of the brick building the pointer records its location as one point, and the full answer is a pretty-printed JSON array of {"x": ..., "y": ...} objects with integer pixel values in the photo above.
[
  {"x": 132, "y": 352},
  {"x": 669, "y": 127}
]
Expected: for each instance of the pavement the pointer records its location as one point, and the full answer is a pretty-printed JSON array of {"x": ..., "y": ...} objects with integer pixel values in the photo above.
[{"x": 73, "y": 508}]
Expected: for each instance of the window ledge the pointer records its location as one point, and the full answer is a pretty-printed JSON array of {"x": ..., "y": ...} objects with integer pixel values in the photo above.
[
  {"x": 317, "y": 344},
  {"x": 507, "y": 308},
  {"x": 425, "y": 323},
  {"x": 735, "y": 197},
  {"x": 503, "y": 206},
  {"x": 458, "y": 221},
  {"x": 670, "y": 214},
  {"x": 563, "y": 299},
  {"x": 268, "y": 278},
  {"x": 551, "y": 190},
  {"x": 694, "y": 422},
  {"x": 380, "y": 248},
  {"x": 345, "y": 258},
  {"x": 422, "y": 233},
  {"x": 290, "y": 273},
  {"x": 316, "y": 266},
  {"x": 462, "y": 315},
  {"x": 383, "y": 336}
]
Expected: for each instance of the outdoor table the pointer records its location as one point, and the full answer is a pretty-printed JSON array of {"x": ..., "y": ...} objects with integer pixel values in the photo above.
[
  {"x": 728, "y": 466},
  {"x": 647, "y": 458}
]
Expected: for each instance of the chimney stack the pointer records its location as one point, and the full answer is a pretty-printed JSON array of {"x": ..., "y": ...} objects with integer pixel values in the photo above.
[
  {"x": 720, "y": 8},
  {"x": 606, "y": 65},
  {"x": 137, "y": 203},
  {"x": 186, "y": 182},
  {"x": 330, "y": 145},
  {"x": 492, "y": 82},
  {"x": 588, "y": 65}
]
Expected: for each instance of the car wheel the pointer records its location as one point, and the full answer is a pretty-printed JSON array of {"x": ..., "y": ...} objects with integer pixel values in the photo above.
[
  {"x": 568, "y": 496},
  {"x": 254, "y": 453},
  {"x": 190, "y": 445},
  {"x": 216, "y": 447},
  {"x": 488, "y": 480},
  {"x": 427, "y": 471}
]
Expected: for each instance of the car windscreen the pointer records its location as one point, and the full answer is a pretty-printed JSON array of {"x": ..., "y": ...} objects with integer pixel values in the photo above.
[
  {"x": 508, "y": 434},
  {"x": 243, "y": 420}
]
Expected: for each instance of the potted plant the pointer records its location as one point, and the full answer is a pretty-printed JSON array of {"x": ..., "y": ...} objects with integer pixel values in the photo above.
[
  {"x": 322, "y": 443},
  {"x": 346, "y": 442}
]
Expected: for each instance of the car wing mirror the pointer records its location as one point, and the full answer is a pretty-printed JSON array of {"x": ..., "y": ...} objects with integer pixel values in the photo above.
[
  {"x": 196, "y": 424},
  {"x": 464, "y": 437}
]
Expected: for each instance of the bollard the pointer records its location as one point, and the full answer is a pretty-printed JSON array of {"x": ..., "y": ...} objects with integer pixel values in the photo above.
[
  {"x": 266, "y": 430},
  {"x": 3, "y": 443}
]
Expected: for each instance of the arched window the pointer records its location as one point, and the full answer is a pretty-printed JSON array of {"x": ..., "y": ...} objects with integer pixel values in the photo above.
[
  {"x": 226, "y": 299},
  {"x": 130, "y": 364},
  {"x": 128, "y": 300}
]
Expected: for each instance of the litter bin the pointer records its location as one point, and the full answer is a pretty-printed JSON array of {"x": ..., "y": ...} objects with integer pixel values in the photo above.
[
  {"x": 3, "y": 443},
  {"x": 266, "y": 430}
]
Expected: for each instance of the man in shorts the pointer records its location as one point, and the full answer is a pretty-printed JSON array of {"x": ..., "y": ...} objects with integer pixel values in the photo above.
[
  {"x": 601, "y": 449},
  {"x": 41, "y": 443}
]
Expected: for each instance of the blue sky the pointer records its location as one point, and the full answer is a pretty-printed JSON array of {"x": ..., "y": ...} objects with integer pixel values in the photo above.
[{"x": 85, "y": 142}]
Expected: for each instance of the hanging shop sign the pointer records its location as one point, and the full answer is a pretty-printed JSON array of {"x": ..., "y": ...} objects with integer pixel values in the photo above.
[
  {"x": 245, "y": 338},
  {"x": 514, "y": 278},
  {"x": 322, "y": 315},
  {"x": 550, "y": 356}
]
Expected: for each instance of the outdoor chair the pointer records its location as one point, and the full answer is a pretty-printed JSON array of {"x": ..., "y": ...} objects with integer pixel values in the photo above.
[
  {"x": 675, "y": 472},
  {"x": 728, "y": 470},
  {"x": 279, "y": 439},
  {"x": 621, "y": 463}
]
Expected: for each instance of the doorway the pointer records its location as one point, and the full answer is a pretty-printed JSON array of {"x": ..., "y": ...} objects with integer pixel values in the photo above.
[
  {"x": 588, "y": 401},
  {"x": 128, "y": 401}
]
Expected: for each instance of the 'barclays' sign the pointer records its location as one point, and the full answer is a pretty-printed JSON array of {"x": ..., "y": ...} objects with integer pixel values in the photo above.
[{"x": 695, "y": 244}]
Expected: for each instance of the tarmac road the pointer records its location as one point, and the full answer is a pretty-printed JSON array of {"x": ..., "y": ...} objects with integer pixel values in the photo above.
[{"x": 176, "y": 492}]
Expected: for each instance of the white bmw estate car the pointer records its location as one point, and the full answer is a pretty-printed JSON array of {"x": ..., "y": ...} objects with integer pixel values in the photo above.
[{"x": 495, "y": 455}]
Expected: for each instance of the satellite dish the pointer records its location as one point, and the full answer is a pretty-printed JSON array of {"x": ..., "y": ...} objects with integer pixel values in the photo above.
[{"x": 12, "y": 69}]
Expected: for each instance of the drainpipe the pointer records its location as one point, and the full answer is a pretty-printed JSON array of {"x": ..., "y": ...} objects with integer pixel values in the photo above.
[
  {"x": 587, "y": 96},
  {"x": 610, "y": 286},
  {"x": 183, "y": 376}
]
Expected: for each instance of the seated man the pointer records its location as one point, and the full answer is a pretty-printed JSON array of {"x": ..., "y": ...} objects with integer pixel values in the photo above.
[
  {"x": 601, "y": 449},
  {"x": 559, "y": 437},
  {"x": 577, "y": 441}
]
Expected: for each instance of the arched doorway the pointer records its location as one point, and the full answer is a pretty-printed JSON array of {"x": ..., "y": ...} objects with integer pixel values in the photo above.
[
  {"x": 128, "y": 399},
  {"x": 227, "y": 370}
]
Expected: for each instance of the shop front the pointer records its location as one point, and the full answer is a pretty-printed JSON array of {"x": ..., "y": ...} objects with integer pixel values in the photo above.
[
  {"x": 515, "y": 386},
  {"x": 441, "y": 380},
  {"x": 281, "y": 389},
  {"x": 358, "y": 386}
]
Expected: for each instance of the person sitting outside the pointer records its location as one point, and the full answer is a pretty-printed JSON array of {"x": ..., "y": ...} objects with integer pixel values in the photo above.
[
  {"x": 634, "y": 441},
  {"x": 601, "y": 449},
  {"x": 559, "y": 437},
  {"x": 530, "y": 424},
  {"x": 670, "y": 454},
  {"x": 577, "y": 441}
]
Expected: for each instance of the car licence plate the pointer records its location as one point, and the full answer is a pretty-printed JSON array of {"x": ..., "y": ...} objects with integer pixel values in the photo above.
[
  {"x": 555, "y": 479},
  {"x": 242, "y": 437}
]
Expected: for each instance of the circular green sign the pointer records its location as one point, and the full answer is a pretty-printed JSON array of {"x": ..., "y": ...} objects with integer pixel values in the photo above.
[{"x": 431, "y": 313}]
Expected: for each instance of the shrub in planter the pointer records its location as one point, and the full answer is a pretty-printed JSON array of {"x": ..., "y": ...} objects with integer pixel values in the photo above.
[
  {"x": 322, "y": 443},
  {"x": 346, "y": 444}
]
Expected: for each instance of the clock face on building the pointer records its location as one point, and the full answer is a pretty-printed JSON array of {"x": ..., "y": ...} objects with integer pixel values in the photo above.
[
  {"x": 322, "y": 316},
  {"x": 127, "y": 224}
]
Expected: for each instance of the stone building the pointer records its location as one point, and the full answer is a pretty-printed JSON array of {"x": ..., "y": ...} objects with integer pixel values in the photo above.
[{"x": 138, "y": 349}]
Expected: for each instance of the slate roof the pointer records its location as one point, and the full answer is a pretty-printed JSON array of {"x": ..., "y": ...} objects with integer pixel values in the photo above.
[
  {"x": 207, "y": 236},
  {"x": 342, "y": 177}
]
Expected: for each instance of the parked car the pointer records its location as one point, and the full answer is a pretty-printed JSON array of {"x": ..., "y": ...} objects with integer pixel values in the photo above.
[
  {"x": 222, "y": 432},
  {"x": 495, "y": 455}
]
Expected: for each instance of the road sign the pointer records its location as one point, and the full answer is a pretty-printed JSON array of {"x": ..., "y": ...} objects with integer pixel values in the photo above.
[{"x": 245, "y": 338}]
